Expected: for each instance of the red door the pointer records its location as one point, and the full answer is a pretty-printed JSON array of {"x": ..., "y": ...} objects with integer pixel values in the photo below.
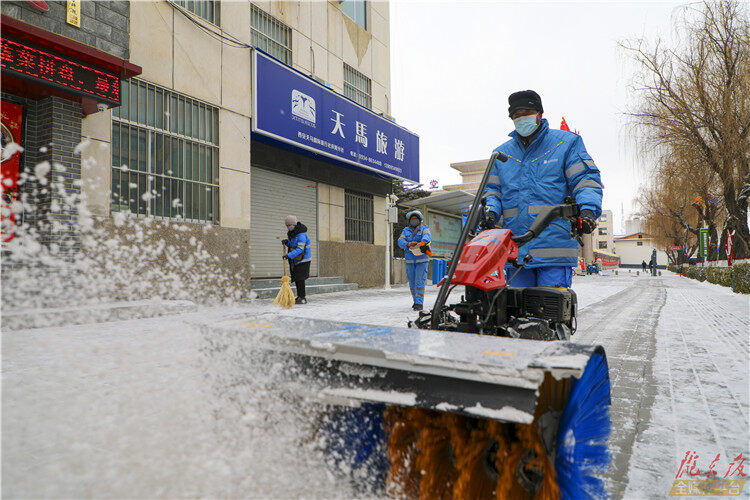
[{"x": 12, "y": 116}]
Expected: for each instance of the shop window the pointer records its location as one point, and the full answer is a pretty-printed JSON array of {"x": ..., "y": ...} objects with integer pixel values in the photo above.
[
  {"x": 270, "y": 35},
  {"x": 356, "y": 10},
  {"x": 358, "y": 215},
  {"x": 639, "y": 243},
  {"x": 357, "y": 87},
  {"x": 165, "y": 154},
  {"x": 602, "y": 244},
  {"x": 205, "y": 9},
  {"x": 602, "y": 231}
]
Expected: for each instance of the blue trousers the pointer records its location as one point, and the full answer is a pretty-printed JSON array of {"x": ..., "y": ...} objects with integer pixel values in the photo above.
[
  {"x": 417, "y": 275},
  {"x": 557, "y": 276}
]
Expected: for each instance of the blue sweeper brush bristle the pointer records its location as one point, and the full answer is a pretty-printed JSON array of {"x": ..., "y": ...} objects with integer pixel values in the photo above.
[
  {"x": 582, "y": 452},
  {"x": 357, "y": 446}
]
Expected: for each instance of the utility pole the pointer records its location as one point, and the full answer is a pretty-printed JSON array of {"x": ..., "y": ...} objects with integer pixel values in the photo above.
[
  {"x": 588, "y": 248},
  {"x": 391, "y": 217}
]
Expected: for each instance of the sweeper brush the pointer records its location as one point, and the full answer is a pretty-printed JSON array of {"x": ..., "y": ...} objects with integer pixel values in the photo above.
[
  {"x": 485, "y": 398},
  {"x": 429, "y": 414}
]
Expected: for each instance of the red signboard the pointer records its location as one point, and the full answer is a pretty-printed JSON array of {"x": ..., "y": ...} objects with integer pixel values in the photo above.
[
  {"x": 12, "y": 116},
  {"x": 730, "y": 248},
  {"x": 675, "y": 249},
  {"x": 39, "y": 5},
  {"x": 37, "y": 65}
]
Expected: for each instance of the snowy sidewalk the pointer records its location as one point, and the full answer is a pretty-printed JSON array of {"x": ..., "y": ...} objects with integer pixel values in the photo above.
[
  {"x": 699, "y": 379},
  {"x": 678, "y": 356}
]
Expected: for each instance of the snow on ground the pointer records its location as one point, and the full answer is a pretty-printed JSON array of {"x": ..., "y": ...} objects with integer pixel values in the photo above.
[
  {"x": 393, "y": 307},
  {"x": 151, "y": 408},
  {"x": 157, "y": 408},
  {"x": 700, "y": 379}
]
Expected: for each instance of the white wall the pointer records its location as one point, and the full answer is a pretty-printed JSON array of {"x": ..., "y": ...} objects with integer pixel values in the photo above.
[{"x": 632, "y": 254}]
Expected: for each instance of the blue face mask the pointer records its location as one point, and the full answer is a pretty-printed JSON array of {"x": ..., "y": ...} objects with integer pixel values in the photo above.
[{"x": 525, "y": 125}]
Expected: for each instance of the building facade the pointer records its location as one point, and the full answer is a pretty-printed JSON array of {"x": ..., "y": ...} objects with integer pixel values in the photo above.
[
  {"x": 603, "y": 237},
  {"x": 471, "y": 175},
  {"x": 634, "y": 249},
  {"x": 184, "y": 144},
  {"x": 58, "y": 67},
  {"x": 635, "y": 225}
]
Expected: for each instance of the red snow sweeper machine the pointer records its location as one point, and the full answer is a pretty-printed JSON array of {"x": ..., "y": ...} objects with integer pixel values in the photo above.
[{"x": 483, "y": 398}]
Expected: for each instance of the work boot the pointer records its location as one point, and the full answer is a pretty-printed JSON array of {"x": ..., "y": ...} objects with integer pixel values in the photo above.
[
  {"x": 417, "y": 307},
  {"x": 300, "y": 300}
]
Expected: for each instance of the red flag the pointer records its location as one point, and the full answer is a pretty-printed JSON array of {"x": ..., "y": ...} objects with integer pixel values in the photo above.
[{"x": 564, "y": 125}]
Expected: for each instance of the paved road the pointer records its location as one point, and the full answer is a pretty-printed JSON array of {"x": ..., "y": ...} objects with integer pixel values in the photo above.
[{"x": 678, "y": 354}]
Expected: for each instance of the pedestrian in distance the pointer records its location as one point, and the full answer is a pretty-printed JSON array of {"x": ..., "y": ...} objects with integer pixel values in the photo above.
[
  {"x": 414, "y": 238},
  {"x": 643, "y": 266},
  {"x": 299, "y": 255},
  {"x": 544, "y": 167},
  {"x": 652, "y": 264}
]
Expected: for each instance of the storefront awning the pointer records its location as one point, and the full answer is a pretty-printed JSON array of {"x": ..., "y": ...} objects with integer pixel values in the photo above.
[
  {"x": 37, "y": 63},
  {"x": 451, "y": 202}
]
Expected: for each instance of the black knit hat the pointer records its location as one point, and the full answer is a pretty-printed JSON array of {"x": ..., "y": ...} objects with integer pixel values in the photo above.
[{"x": 524, "y": 99}]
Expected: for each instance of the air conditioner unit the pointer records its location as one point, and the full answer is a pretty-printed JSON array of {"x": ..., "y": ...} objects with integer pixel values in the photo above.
[{"x": 320, "y": 80}]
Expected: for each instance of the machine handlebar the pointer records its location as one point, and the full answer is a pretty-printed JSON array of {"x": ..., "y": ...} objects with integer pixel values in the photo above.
[{"x": 570, "y": 211}]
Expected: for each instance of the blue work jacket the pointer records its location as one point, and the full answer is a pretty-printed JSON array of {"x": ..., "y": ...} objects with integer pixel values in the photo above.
[
  {"x": 418, "y": 234},
  {"x": 299, "y": 248},
  {"x": 555, "y": 165}
]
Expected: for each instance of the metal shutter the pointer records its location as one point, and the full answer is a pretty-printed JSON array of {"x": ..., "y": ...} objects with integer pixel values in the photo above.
[{"x": 273, "y": 196}]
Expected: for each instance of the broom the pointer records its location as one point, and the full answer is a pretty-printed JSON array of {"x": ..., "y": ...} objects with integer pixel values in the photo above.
[{"x": 285, "y": 297}]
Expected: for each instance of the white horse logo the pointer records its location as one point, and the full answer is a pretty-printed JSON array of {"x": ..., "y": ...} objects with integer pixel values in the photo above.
[{"x": 303, "y": 106}]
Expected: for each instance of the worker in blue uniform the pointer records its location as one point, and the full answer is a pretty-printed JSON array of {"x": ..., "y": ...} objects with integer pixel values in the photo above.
[
  {"x": 414, "y": 237},
  {"x": 299, "y": 254},
  {"x": 544, "y": 167}
]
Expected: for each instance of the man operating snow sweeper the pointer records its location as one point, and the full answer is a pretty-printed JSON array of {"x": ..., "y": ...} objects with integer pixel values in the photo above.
[
  {"x": 415, "y": 240},
  {"x": 544, "y": 167}
]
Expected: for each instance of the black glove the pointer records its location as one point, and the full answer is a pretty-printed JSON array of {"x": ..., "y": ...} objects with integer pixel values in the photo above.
[
  {"x": 287, "y": 257},
  {"x": 588, "y": 222},
  {"x": 285, "y": 242},
  {"x": 490, "y": 218}
]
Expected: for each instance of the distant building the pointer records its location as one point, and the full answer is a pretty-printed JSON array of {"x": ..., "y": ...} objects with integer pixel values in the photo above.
[
  {"x": 603, "y": 236},
  {"x": 635, "y": 248},
  {"x": 471, "y": 175},
  {"x": 635, "y": 225}
]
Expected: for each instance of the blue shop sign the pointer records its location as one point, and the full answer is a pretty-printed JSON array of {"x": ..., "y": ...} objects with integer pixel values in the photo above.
[{"x": 291, "y": 107}]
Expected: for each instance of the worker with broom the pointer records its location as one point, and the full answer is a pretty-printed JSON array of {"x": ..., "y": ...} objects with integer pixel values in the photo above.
[
  {"x": 545, "y": 166},
  {"x": 415, "y": 239},
  {"x": 299, "y": 255}
]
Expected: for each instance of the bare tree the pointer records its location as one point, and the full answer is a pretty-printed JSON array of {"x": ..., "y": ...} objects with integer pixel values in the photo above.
[
  {"x": 693, "y": 103},
  {"x": 671, "y": 218}
]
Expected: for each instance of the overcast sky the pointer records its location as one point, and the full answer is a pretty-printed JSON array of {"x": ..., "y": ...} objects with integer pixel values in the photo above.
[{"x": 453, "y": 65}]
